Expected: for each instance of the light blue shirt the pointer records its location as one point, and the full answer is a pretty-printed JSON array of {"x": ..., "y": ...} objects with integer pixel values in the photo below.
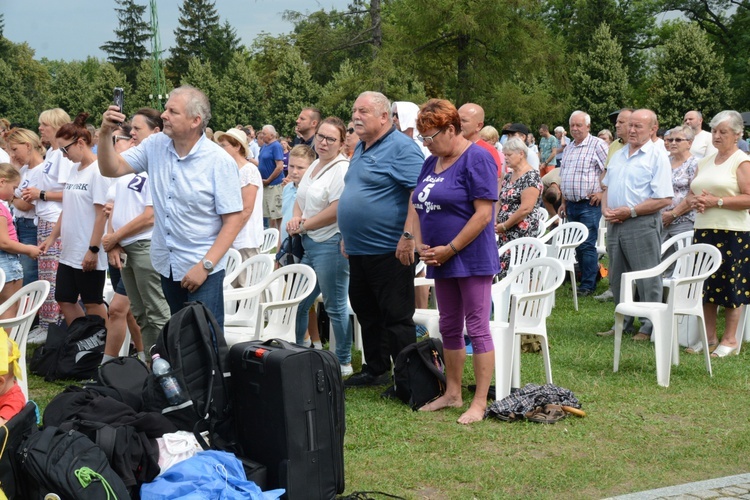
[
  {"x": 644, "y": 175},
  {"x": 190, "y": 195},
  {"x": 288, "y": 197}
]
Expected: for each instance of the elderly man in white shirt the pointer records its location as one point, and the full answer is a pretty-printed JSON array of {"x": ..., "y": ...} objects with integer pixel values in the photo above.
[{"x": 638, "y": 185}]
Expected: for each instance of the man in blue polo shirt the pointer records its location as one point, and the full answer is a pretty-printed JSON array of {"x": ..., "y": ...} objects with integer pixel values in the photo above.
[
  {"x": 271, "y": 166},
  {"x": 375, "y": 217}
]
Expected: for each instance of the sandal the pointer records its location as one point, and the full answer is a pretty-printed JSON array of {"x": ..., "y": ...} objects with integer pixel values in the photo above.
[
  {"x": 698, "y": 348},
  {"x": 724, "y": 350},
  {"x": 549, "y": 414}
]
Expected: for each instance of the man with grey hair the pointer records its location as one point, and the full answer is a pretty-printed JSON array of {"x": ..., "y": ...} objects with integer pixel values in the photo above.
[
  {"x": 638, "y": 185},
  {"x": 196, "y": 194},
  {"x": 376, "y": 217},
  {"x": 702, "y": 143},
  {"x": 271, "y": 166},
  {"x": 581, "y": 168}
]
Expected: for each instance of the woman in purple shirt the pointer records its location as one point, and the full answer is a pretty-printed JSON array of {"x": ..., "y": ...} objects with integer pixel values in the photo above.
[{"x": 455, "y": 238}]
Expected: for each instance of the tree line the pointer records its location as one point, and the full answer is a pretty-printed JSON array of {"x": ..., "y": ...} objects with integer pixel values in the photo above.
[{"x": 530, "y": 61}]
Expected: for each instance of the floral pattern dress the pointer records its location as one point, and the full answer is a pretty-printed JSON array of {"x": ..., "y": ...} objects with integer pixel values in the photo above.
[{"x": 510, "y": 201}]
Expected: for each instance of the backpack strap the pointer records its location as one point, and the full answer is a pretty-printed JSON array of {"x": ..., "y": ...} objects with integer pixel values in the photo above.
[{"x": 106, "y": 436}]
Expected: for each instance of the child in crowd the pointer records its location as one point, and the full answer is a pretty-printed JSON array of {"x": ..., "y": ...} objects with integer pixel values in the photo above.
[
  {"x": 12, "y": 399},
  {"x": 10, "y": 248},
  {"x": 300, "y": 158}
]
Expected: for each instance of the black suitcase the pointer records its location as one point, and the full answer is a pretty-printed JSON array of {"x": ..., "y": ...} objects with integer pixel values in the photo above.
[
  {"x": 289, "y": 411},
  {"x": 12, "y": 434}
]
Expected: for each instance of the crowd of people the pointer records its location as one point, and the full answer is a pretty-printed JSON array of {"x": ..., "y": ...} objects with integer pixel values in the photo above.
[{"x": 158, "y": 199}]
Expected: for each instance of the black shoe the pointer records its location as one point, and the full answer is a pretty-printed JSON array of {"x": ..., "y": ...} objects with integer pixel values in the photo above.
[
  {"x": 582, "y": 292},
  {"x": 366, "y": 378},
  {"x": 389, "y": 393}
]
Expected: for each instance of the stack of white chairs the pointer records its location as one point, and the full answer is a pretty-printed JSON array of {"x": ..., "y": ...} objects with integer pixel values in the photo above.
[
  {"x": 533, "y": 285},
  {"x": 695, "y": 263},
  {"x": 562, "y": 243},
  {"x": 270, "y": 240},
  {"x": 274, "y": 318},
  {"x": 28, "y": 299}
]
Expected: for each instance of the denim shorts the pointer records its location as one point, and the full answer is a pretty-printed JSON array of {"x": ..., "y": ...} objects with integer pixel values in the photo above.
[{"x": 11, "y": 264}]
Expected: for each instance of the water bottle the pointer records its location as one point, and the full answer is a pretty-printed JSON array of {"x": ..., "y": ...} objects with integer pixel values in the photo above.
[{"x": 169, "y": 384}]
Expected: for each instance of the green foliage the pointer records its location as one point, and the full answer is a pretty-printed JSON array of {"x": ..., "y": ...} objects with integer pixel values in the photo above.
[
  {"x": 24, "y": 84},
  {"x": 100, "y": 97},
  {"x": 127, "y": 52},
  {"x": 199, "y": 34},
  {"x": 291, "y": 90},
  {"x": 70, "y": 88},
  {"x": 201, "y": 76},
  {"x": 601, "y": 80},
  {"x": 240, "y": 98},
  {"x": 688, "y": 74}
]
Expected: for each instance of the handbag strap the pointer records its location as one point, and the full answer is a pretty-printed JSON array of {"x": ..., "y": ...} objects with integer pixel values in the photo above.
[{"x": 328, "y": 167}]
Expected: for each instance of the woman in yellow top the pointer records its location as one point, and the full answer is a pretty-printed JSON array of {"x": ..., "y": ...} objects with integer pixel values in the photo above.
[{"x": 720, "y": 192}]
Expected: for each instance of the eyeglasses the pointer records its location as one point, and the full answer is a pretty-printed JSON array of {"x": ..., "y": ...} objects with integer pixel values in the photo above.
[
  {"x": 327, "y": 140},
  {"x": 350, "y": 130},
  {"x": 64, "y": 149},
  {"x": 674, "y": 139},
  {"x": 430, "y": 138},
  {"x": 116, "y": 138}
]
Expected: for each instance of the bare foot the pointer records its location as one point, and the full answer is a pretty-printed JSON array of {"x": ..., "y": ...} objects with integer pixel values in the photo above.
[
  {"x": 443, "y": 401},
  {"x": 473, "y": 414}
]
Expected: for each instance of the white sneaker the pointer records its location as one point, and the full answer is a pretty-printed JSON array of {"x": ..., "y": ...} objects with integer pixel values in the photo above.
[
  {"x": 37, "y": 336},
  {"x": 607, "y": 295},
  {"x": 307, "y": 342},
  {"x": 346, "y": 370}
]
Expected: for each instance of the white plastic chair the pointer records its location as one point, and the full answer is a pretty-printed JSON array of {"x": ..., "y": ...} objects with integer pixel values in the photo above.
[
  {"x": 293, "y": 283},
  {"x": 239, "y": 313},
  {"x": 257, "y": 265},
  {"x": 270, "y": 240},
  {"x": 29, "y": 299},
  {"x": 2, "y": 279},
  {"x": 687, "y": 327},
  {"x": 521, "y": 250},
  {"x": 548, "y": 223},
  {"x": 234, "y": 259},
  {"x": 534, "y": 283},
  {"x": 697, "y": 262},
  {"x": 563, "y": 241}
]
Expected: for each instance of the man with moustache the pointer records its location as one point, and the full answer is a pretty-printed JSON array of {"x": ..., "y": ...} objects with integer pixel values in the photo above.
[{"x": 376, "y": 217}]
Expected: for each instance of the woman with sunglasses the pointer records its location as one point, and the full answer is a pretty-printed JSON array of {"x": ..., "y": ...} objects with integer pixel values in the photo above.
[
  {"x": 454, "y": 199},
  {"x": 83, "y": 266},
  {"x": 315, "y": 218},
  {"x": 679, "y": 216},
  {"x": 45, "y": 192}
]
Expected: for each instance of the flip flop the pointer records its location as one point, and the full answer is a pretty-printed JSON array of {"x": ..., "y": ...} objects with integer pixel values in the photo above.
[
  {"x": 549, "y": 414},
  {"x": 698, "y": 348},
  {"x": 724, "y": 350}
]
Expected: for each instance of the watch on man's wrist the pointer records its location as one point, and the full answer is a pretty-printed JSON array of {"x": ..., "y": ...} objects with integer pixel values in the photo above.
[
  {"x": 207, "y": 265},
  {"x": 93, "y": 249},
  {"x": 407, "y": 235},
  {"x": 720, "y": 203},
  {"x": 633, "y": 213}
]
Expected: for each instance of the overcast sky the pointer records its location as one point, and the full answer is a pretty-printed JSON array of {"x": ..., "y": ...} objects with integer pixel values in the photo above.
[{"x": 74, "y": 29}]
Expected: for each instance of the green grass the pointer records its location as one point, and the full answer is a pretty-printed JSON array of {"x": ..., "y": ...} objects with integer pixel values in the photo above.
[{"x": 636, "y": 435}]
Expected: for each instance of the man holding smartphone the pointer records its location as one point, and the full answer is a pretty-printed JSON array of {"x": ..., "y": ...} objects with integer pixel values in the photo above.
[{"x": 196, "y": 194}]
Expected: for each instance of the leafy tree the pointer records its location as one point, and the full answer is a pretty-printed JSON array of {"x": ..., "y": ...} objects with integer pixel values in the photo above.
[
  {"x": 199, "y": 34},
  {"x": 601, "y": 80},
  {"x": 127, "y": 52},
  {"x": 338, "y": 95},
  {"x": 29, "y": 83},
  {"x": 240, "y": 98},
  {"x": 688, "y": 74},
  {"x": 71, "y": 88},
  {"x": 291, "y": 90},
  {"x": 106, "y": 79},
  {"x": 201, "y": 76}
]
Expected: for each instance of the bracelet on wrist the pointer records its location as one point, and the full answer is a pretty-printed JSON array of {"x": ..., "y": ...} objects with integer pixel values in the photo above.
[
  {"x": 505, "y": 229},
  {"x": 453, "y": 248}
]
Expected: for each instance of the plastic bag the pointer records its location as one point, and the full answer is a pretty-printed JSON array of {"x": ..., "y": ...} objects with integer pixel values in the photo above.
[{"x": 208, "y": 474}]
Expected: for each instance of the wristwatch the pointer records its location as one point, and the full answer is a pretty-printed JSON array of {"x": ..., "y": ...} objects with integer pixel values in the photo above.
[
  {"x": 207, "y": 265},
  {"x": 407, "y": 235},
  {"x": 94, "y": 249},
  {"x": 720, "y": 203},
  {"x": 632, "y": 213}
]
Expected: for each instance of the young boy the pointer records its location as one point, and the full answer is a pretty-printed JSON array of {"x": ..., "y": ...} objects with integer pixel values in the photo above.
[{"x": 12, "y": 399}]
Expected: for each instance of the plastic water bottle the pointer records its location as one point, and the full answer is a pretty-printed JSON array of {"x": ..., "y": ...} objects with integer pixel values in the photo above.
[{"x": 169, "y": 384}]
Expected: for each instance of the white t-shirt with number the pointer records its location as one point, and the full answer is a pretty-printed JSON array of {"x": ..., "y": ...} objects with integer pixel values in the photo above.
[
  {"x": 54, "y": 174},
  {"x": 29, "y": 177},
  {"x": 84, "y": 189},
  {"x": 251, "y": 235},
  {"x": 132, "y": 194}
]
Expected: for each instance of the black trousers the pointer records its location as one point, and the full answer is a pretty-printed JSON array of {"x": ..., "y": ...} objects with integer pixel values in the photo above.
[{"x": 381, "y": 291}]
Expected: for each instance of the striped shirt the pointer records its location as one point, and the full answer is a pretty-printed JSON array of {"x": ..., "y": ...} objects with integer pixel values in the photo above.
[{"x": 582, "y": 165}]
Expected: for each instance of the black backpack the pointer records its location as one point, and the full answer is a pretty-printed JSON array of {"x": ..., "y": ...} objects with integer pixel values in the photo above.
[
  {"x": 12, "y": 434},
  {"x": 193, "y": 343},
  {"x": 79, "y": 354},
  {"x": 419, "y": 373},
  {"x": 70, "y": 465}
]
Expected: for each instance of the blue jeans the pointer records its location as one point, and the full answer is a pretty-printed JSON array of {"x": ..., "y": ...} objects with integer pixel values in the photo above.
[
  {"x": 210, "y": 293},
  {"x": 27, "y": 230},
  {"x": 588, "y": 260},
  {"x": 332, "y": 272}
]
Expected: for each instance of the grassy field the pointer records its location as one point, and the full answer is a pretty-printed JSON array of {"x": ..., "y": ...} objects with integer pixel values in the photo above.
[{"x": 636, "y": 436}]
